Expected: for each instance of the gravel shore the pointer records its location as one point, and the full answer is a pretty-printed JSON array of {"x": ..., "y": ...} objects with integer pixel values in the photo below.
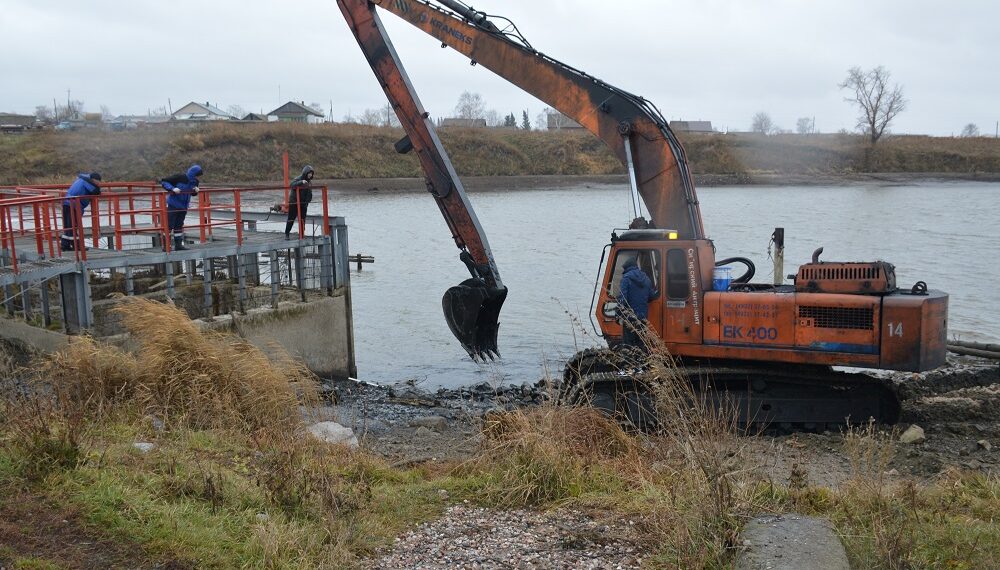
[{"x": 467, "y": 537}]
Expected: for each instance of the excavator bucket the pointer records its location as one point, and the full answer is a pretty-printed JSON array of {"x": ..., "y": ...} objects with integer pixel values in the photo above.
[{"x": 471, "y": 309}]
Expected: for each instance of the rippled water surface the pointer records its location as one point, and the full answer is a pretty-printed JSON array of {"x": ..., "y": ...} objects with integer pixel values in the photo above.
[{"x": 548, "y": 243}]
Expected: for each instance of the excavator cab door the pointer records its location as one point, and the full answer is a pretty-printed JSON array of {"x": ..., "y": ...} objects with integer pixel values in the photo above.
[
  {"x": 681, "y": 295},
  {"x": 649, "y": 260}
]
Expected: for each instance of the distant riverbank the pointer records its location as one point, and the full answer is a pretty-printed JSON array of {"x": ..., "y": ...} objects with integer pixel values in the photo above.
[
  {"x": 354, "y": 154},
  {"x": 501, "y": 183}
]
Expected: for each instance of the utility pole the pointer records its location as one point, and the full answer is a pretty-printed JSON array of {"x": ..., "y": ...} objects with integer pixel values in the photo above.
[
  {"x": 388, "y": 109},
  {"x": 68, "y": 107}
]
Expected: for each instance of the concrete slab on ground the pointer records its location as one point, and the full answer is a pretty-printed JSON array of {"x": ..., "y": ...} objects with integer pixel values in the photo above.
[{"x": 791, "y": 542}]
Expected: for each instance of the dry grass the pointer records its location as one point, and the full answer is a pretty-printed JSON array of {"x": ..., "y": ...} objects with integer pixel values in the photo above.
[
  {"x": 251, "y": 153},
  {"x": 692, "y": 484},
  {"x": 181, "y": 375},
  {"x": 550, "y": 454}
]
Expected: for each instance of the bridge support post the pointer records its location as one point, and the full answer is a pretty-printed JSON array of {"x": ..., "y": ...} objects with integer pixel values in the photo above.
[
  {"x": 275, "y": 278},
  {"x": 206, "y": 265},
  {"x": 46, "y": 311},
  {"x": 78, "y": 311}
]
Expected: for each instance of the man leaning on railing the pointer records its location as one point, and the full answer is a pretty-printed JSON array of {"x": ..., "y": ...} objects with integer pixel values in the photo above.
[
  {"x": 86, "y": 184},
  {"x": 180, "y": 188}
]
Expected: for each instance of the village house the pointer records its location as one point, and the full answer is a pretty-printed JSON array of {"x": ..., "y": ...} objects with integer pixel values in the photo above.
[
  {"x": 11, "y": 122},
  {"x": 292, "y": 112},
  {"x": 699, "y": 127},
  {"x": 201, "y": 112},
  {"x": 254, "y": 118}
]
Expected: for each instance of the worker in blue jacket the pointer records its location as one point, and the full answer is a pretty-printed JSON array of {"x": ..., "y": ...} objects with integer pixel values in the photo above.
[
  {"x": 86, "y": 184},
  {"x": 634, "y": 295},
  {"x": 180, "y": 188}
]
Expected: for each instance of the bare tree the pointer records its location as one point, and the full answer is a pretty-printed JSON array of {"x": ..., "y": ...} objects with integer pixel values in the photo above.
[
  {"x": 236, "y": 111},
  {"x": 970, "y": 130},
  {"x": 470, "y": 106},
  {"x": 106, "y": 113},
  {"x": 372, "y": 117},
  {"x": 762, "y": 124},
  {"x": 553, "y": 119},
  {"x": 878, "y": 104},
  {"x": 805, "y": 126},
  {"x": 43, "y": 114},
  {"x": 492, "y": 118},
  {"x": 542, "y": 120}
]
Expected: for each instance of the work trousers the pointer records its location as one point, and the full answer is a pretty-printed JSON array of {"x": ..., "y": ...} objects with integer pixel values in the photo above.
[
  {"x": 175, "y": 222},
  {"x": 631, "y": 333},
  {"x": 69, "y": 221},
  {"x": 293, "y": 213}
]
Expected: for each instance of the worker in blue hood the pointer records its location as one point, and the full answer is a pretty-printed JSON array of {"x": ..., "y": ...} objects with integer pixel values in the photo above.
[
  {"x": 86, "y": 184},
  {"x": 635, "y": 293},
  {"x": 180, "y": 188},
  {"x": 299, "y": 197}
]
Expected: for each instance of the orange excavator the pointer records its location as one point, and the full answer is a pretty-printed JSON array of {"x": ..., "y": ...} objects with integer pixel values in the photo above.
[{"x": 771, "y": 348}]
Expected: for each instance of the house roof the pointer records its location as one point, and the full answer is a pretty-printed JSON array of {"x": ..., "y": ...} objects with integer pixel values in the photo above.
[
  {"x": 292, "y": 108},
  {"x": 692, "y": 126},
  {"x": 254, "y": 117},
  {"x": 15, "y": 119},
  {"x": 141, "y": 119},
  {"x": 205, "y": 109}
]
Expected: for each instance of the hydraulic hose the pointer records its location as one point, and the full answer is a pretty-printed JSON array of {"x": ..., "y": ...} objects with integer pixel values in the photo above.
[{"x": 746, "y": 277}]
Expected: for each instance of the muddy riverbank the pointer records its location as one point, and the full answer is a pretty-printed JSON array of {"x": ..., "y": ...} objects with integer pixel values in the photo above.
[{"x": 957, "y": 407}]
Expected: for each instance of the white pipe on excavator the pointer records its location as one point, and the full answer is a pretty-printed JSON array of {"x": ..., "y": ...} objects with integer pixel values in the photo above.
[{"x": 633, "y": 183}]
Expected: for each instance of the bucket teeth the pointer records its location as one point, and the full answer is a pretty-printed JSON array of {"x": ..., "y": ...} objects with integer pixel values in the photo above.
[{"x": 471, "y": 310}]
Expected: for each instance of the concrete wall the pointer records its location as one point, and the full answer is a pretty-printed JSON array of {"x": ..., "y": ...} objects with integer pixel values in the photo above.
[
  {"x": 319, "y": 332},
  {"x": 37, "y": 338}
]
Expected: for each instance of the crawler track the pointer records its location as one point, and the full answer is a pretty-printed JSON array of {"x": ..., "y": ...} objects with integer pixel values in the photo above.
[{"x": 762, "y": 395}]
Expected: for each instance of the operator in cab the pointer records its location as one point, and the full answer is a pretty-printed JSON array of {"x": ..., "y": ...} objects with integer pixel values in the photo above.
[
  {"x": 633, "y": 303},
  {"x": 86, "y": 184}
]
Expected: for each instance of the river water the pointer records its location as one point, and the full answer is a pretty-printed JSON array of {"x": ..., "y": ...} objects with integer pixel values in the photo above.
[{"x": 548, "y": 242}]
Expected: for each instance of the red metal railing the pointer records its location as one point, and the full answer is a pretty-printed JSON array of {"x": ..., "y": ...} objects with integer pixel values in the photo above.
[{"x": 34, "y": 215}]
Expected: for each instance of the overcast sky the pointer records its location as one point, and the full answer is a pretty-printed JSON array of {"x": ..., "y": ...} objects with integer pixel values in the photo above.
[{"x": 718, "y": 60}]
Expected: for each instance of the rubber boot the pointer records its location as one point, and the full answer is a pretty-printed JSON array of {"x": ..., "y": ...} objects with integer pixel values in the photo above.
[
  {"x": 288, "y": 229},
  {"x": 179, "y": 244}
]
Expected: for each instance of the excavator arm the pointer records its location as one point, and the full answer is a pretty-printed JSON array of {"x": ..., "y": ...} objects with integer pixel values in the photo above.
[
  {"x": 631, "y": 126},
  {"x": 472, "y": 307}
]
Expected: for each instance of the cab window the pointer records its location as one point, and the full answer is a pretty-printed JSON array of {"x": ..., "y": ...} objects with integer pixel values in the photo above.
[
  {"x": 678, "y": 286},
  {"x": 648, "y": 261}
]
